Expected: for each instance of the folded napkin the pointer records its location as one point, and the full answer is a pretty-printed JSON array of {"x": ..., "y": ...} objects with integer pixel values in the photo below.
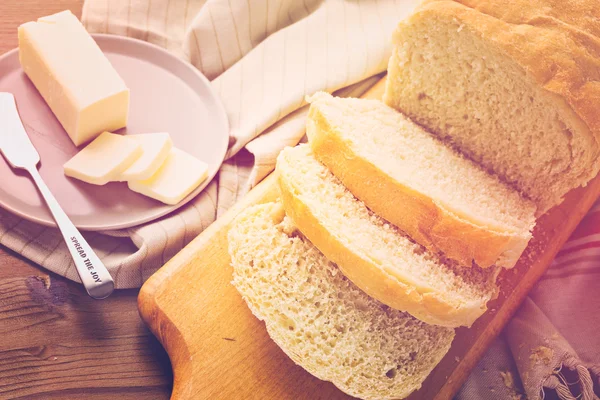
[
  {"x": 263, "y": 57},
  {"x": 255, "y": 53}
]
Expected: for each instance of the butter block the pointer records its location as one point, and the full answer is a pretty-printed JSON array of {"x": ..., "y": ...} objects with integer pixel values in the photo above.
[
  {"x": 155, "y": 149},
  {"x": 79, "y": 84},
  {"x": 180, "y": 174},
  {"x": 104, "y": 159}
]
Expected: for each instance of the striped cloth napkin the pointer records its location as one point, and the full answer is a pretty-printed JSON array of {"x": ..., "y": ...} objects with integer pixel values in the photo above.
[
  {"x": 255, "y": 53},
  {"x": 262, "y": 57}
]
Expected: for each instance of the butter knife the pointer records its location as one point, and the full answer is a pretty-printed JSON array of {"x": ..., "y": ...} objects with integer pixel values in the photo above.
[{"x": 18, "y": 150}]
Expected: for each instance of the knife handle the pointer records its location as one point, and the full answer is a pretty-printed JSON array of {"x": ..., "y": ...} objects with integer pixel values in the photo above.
[{"x": 95, "y": 277}]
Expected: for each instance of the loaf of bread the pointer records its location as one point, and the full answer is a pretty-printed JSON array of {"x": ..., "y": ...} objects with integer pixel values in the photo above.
[
  {"x": 320, "y": 319},
  {"x": 513, "y": 84},
  {"x": 375, "y": 255},
  {"x": 439, "y": 198}
]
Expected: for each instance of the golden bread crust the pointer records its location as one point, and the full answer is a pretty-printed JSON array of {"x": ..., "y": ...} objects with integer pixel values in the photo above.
[
  {"x": 422, "y": 218},
  {"x": 555, "y": 42},
  {"x": 393, "y": 288}
]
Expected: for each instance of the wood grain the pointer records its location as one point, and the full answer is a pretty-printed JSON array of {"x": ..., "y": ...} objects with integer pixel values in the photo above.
[
  {"x": 218, "y": 348},
  {"x": 55, "y": 341},
  {"x": 16, "y": 12}
]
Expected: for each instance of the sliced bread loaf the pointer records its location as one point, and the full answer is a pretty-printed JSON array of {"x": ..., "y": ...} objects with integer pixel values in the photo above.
[
  {"x": 513, "y": 84},
  {"x": 320, "y": 319},
  {"x": 375, "y": 255},
  {"x": 401, "y": 172}
]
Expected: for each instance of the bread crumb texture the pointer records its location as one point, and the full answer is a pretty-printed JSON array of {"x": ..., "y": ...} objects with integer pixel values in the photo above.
[
  {"x": 509, "y": 381},
  {"x": 406, "y": 175},
  {"x": 516, "y": 87},
  {"x": 434, "y": 289},
  {"x": 320, "y": 319},
  {"x": 541, "y": 355},
  {"x": 412, "y": 156}
]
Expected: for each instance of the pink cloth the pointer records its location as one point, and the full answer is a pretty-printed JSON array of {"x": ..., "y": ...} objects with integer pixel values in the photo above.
[{"x": 551, "y": 348}]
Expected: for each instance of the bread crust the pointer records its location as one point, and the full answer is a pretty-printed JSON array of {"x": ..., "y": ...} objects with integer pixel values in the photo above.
[
  {"x": 274, "y": 213},
  {"x": 557, "y": 44},
  {"x": 397, "y": 290},
  {"x": 426, "y": 221}
]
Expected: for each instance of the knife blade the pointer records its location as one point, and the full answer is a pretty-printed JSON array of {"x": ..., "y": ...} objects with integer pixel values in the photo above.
[
  {"x": 17, "y": 149},
  {"x": 14, "y": 142}
]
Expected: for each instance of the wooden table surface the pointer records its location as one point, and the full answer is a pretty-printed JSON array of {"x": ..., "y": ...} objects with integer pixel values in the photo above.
[{"x": 55, "y": 341}]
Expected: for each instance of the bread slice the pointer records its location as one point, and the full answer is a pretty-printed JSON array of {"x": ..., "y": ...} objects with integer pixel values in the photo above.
[
  {"x": 515, "y": 85},
  {"x": 375, "y": 255},
  {"x": 443, "y": 201},
  {"x": 320, "y": 319}
]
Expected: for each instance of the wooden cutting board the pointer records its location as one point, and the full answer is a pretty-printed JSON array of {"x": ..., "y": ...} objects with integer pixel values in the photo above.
[{"x": 218, "y": 349}]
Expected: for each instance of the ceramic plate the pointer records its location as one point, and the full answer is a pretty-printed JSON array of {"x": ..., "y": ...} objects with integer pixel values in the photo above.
[{"x": 167, "y": 95}]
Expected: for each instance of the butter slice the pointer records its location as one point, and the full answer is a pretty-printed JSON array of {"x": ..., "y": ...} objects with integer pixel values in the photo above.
[
  {"x": 81, "y": 87},
  {"x": 177, "y": 177},
  {"x": 156, "y": 147},
  {"x": 104, "y": 159}
]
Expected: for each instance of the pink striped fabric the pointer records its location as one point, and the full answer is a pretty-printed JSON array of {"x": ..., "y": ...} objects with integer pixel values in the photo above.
[
  {"x": 551, "y": 348},
  {"x": 255, "y": 53}
]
